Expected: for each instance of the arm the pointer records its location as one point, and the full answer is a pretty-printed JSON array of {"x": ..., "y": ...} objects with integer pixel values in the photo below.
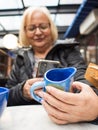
[{"x": 19, "y": 78}]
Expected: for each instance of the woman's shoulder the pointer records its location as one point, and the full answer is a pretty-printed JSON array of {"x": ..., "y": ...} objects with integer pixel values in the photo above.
[
  {"x": 63, "y": 43},
  {"x": 22, "y": 51},
  {"x": 22, "y": 56}
]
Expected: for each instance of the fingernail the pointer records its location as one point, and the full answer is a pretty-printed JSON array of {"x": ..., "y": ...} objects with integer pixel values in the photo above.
[
  {"x": 48, "y": 88},
  {"x": 42, "y": 101},
  {"x": 40, "y": 94}
]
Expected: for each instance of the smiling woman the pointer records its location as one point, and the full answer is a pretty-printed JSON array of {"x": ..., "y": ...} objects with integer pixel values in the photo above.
[{"x": 62, "y": 107}]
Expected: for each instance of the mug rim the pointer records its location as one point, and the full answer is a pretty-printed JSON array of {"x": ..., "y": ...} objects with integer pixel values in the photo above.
[{"x": 60, "y": 68}]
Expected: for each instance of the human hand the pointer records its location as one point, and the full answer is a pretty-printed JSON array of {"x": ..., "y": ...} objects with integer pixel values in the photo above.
[
  {"x": 64, "y": 107},
  {"x": 27, "y": 86}
]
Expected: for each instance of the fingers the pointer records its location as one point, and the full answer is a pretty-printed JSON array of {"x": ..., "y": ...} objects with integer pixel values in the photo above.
[
  {"x": 63, "y": 96},
  {"x": 55, "y": 115},
  {"x": 60, "y": 117},
  {"x": 54, "y": 102},
  {"x": 69, "y": 97},
  {"x": 27, "y": 86},
  {"x": 31, "y": 81},
  {"x": 79, "y": 85},
  {"x": 26, "y": 90},
  {"x": 85, "y": 89},
  {"x": 66, "y": 107},
  {"x": 58, "y": 121}
]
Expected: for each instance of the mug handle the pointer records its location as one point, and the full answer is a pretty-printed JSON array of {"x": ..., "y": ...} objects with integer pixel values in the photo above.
[{"x": 35, "y": 86}]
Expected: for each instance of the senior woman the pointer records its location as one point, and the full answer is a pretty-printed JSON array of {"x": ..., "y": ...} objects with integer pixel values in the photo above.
[{"x": 39, "y": 35}]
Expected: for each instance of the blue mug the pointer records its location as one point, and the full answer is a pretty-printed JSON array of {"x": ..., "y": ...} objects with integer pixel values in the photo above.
[
  {"x": 4, "y": 92},
  {"x": 60, "y": 78}
]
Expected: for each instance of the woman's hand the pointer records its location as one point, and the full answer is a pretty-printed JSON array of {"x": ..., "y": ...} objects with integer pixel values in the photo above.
[
  {"x": 64, "y": 107},
  {"x": 27, "y": 86}
]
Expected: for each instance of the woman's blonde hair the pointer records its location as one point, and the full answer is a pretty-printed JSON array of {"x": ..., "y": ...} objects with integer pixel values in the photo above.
[{"x": 23, "y": 41}]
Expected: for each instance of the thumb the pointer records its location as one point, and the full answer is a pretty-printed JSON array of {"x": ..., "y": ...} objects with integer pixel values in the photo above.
[{"x": 78, "y": 86}]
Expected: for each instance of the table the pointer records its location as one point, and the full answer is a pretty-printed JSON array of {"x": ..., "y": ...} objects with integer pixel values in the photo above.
[{"x": 34, "y": 117}]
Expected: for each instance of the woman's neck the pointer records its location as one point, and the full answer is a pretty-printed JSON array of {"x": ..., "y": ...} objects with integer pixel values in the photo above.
[
  {"x": 40, "y": 56},
  {"x": 42, "y": 53}
]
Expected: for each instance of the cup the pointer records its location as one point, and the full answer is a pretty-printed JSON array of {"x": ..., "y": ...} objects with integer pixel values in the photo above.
[
  {"x": 60, "y": 78},
  {"x": 4, "y": 92}
]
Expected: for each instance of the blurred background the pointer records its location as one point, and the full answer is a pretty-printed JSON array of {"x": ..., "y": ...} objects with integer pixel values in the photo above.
[{"x": 76, "y": 20}]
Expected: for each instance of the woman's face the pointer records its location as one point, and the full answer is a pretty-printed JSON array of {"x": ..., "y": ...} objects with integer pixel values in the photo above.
[{"x": 38, "y": 31}]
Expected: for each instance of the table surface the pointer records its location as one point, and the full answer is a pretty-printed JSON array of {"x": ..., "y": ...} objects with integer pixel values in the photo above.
[{"x": 34, "y": 117}]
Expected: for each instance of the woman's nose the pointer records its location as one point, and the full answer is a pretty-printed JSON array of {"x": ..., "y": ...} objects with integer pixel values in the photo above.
[{"x": 38, "y": 31}]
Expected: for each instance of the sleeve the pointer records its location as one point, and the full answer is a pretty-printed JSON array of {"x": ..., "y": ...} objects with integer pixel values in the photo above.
[{"x": 15, "y": 84}]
